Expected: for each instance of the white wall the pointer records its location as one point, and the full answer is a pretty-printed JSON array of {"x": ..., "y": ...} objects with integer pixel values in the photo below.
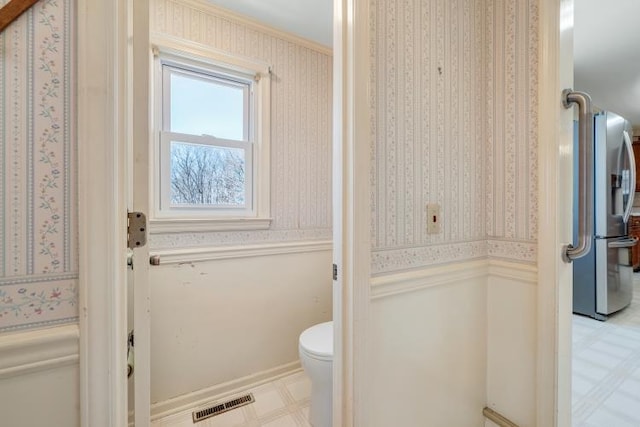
[
  {"x": 49, "y": 398},
  {"x": 218, "y": 321},
  {"x": 511, "y": 341},
  {"x": 428, "y": 350},
  {"x": 39, "y": 378}
]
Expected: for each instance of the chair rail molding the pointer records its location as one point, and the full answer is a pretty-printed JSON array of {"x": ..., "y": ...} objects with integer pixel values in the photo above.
[
  {"x": 36, "y": 350},
  {"x": 211, "y": 253}
]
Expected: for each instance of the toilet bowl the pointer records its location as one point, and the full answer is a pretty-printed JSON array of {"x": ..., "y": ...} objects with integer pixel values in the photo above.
[{"x": 316, "y": 356}]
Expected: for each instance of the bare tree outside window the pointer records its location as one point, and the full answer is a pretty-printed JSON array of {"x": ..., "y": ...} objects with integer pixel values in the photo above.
[{"x": 207, "y": 175}]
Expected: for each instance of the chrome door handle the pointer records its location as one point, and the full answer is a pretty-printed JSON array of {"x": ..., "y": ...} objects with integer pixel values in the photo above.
[
  {"x": 585, "y": 173},
  {"x": 623, "y": 243},
  {"x": 632, "y": 176}
]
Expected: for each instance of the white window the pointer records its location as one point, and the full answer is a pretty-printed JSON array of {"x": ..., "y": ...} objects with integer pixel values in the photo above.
[{"x": 211, "y": 153}]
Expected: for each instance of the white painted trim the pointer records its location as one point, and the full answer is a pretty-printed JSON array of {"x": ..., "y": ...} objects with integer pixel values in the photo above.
[
  {"x": 23, "y": 353},
  {"x": 352, "y": 212},
  {"x": 199, "y": 398},
  {"x": 553, "y": 384},
  {"x": 207, "y": 7},
  {"x": 427, "y": 277},
  {"x": 102, "y": 210},
  {"x": 162, "y": 226},
  {"x": 178, "y": 256},
  {"x": 138, "y": 115},
  {"x": 416, "y": 280},
  {"x": 165, "y": 44},
  {"x": 258, "y": 173},
  {"x": 513, "y": 270},
  {"x": 340, "y": 304}
]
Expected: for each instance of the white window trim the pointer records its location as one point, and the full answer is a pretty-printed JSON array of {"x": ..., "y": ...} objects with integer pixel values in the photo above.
[{"x": 189, "y": 52}]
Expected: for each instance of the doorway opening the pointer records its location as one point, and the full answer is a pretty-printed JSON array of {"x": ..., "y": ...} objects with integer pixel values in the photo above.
[
  {"x": 229, "y": 296},
  {"x": 606, "y": 284}
]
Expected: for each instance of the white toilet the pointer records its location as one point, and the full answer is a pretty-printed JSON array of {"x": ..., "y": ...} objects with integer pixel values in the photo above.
[{"x": 316, "y": 356}]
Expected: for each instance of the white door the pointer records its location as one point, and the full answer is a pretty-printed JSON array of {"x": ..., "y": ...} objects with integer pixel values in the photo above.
[
  {"x": 555, "y": 276},
  {"x": 112, "y": 112},
  {"x": 138, "y": 141}
]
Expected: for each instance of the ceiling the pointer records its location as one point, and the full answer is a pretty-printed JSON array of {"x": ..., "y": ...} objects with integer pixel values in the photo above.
[
  {"x": 607, "y": 54},
  {"x": 311, "y": 19},
  {"x": 606, "y": 42}
]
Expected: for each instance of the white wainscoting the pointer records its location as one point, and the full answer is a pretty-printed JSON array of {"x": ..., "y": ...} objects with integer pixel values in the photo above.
[
  {"x": 511, "y": 340},
  {"x": 428, "y": 346},
  {"x": 39, "y": 377},
  {"x": 232, "y": 315},
  {"x": 450, "y": 339},
  {"x": 23, "y": 353}
]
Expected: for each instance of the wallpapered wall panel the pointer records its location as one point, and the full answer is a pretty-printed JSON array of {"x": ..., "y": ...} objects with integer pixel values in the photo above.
[
  {"x": 454, "y": 123},
  {"x": 38, "y": 262},
  {"x": 428, "y": 104},
  {"x": 512, "y": 120},
  {"x": 300, "y": 122}
]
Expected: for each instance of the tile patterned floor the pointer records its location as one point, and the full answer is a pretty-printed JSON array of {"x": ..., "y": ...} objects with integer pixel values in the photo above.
[
  {"x": 281, "y": 403},
  {"x": 606, "y": 368}
]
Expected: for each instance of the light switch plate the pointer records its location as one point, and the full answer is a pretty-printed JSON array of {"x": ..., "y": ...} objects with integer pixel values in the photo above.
[{"x": 433, "y": 218}]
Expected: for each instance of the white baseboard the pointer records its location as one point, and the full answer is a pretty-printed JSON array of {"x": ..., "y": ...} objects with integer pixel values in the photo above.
[
  {"x": 26, "y": 352},
  {"x": 222, "y": 391}
]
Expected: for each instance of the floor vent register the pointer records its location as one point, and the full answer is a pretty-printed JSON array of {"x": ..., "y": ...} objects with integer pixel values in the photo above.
[{"x": 220, "y": 408}]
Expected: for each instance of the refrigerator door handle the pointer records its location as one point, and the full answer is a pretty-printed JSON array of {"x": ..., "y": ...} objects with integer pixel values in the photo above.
[
  {"x": 632, "y": 176},
  {"x": 585, "y": 173},
  {"x": 623, "y": 243}
]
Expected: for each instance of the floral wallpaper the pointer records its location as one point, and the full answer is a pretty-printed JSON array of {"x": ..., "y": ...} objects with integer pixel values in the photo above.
[
  {"x": 428, "y": 107},
  {"x": 38, "y": 263},
  {"x": 454, "y": 122}
]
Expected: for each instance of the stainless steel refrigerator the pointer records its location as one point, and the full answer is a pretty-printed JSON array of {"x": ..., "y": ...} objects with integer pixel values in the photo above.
[{"x": 603, "y": 279}]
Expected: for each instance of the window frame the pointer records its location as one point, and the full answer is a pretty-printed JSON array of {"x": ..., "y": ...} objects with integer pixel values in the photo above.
[
  {"x": 193, "y": 58},
  {"x": 165, "y": 205}
]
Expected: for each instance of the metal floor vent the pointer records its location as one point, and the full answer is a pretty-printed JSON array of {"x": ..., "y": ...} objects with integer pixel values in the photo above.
[{"x": 220, "y": 408}]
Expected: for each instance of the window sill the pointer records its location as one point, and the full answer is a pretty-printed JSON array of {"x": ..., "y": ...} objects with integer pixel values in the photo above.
[{"x": 160, "y": 226}]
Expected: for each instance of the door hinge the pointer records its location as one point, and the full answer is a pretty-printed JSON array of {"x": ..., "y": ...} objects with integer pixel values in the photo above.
[
  {"x": 136, "y": 230},
  {"x": 130, "y": 259},
  {"x": 130, "y": 354},
  {"x": 335, "y": 271}
]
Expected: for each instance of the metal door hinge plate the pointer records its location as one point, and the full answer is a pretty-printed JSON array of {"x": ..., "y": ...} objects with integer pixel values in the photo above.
[
  {"x": 137, "y": 230},
  {"x": 335, "y": 271}
]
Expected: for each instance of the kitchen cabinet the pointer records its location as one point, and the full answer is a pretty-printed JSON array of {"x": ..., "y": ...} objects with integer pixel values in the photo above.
[
  {"x": 636, "y": 154},
  {"x": 634, "y": 231}
]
